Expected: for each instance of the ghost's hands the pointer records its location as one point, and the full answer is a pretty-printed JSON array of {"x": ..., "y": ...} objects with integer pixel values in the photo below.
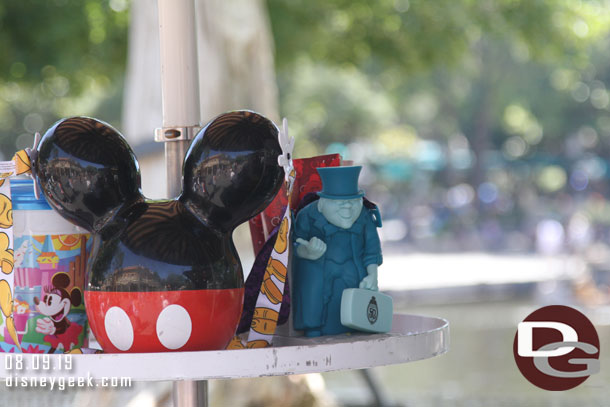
[
  {"x": 312, "y": 249},
  {"x": 370, "y": 281}
]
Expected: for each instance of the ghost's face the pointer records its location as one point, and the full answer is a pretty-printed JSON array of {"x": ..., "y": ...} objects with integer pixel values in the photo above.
[{"x": 340, "y": 212}]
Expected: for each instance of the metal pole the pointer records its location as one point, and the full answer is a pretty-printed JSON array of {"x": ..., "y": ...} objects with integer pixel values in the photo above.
[
  {"x": 179, "y": 85},
  {"x": 188, "y": 393},
  {"x": 174, "y": 155},
  {"x": 181, "y": 117}
]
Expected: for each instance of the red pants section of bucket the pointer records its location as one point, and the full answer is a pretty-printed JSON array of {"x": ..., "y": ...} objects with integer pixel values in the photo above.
[{"x": 164, "y": 321}]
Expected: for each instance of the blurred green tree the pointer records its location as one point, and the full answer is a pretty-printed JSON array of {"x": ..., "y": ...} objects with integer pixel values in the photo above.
[
  {"x": 444, "y": 67},
  {"x": 384, "y": 73},
  {"x": 61, "y": 57},
  {"x": 496, "y": 105},
  {"x": 413, "y": 35}
]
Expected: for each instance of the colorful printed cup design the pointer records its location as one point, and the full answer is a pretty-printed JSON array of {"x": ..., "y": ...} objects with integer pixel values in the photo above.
[
  {"x": 48, "y": 305},
  {"x": 21, "y": 313}
]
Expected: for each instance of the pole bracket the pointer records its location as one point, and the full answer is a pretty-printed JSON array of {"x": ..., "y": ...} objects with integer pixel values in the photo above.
[{"x": 176, "y": 133}]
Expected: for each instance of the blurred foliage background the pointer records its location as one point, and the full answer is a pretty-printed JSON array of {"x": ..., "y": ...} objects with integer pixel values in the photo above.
[
  {"x": 59, "y": 58},
  {"x": 482, "y": 124}
]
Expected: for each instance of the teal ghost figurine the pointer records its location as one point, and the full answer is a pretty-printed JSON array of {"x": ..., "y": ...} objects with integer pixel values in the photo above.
[{"x": 336, "y": 248}]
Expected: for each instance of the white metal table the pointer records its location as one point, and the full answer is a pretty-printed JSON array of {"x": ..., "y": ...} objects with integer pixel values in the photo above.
[{"x": 412, "y": 338}]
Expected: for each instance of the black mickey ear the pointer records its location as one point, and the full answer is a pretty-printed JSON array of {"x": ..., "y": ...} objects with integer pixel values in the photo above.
[
  {"x": 231, "y": 171},
  {"x": 76, "y": 296},
  {"x": 86, "y": 171},
  {"x": 60, "y": 280}
]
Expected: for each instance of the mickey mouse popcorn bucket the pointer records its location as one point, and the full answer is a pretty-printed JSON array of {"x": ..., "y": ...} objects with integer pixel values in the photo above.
[
  {"x": 164, "y": 275},
  {"x": 50, "y": 258}
]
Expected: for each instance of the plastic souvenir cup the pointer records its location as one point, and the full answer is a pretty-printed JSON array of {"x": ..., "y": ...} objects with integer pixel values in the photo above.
[{"x": 50, "y": 258}]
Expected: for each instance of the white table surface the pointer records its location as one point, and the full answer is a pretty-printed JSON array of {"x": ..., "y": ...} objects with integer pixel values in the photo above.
[{"x": 412, "y": 338}]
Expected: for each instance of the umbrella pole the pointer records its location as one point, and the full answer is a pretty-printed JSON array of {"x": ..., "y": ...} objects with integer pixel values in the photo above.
[
  {"x": 179, "y": 85},
  {"x": 181, "y": 121}
]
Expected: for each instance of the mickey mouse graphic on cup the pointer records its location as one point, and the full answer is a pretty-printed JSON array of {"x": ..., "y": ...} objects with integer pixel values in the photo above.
[{"x": 55, "y": 306}]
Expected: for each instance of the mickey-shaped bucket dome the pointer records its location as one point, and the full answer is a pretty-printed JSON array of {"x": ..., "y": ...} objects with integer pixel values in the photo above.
[
  {"x": 87, "y": 171},
  {"x": 163, "y": 274},
  {"x": 231, "y": 169}
]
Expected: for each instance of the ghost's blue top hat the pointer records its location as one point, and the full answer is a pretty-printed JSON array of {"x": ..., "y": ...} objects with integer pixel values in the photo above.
[{"x": 340, "y": 182}]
